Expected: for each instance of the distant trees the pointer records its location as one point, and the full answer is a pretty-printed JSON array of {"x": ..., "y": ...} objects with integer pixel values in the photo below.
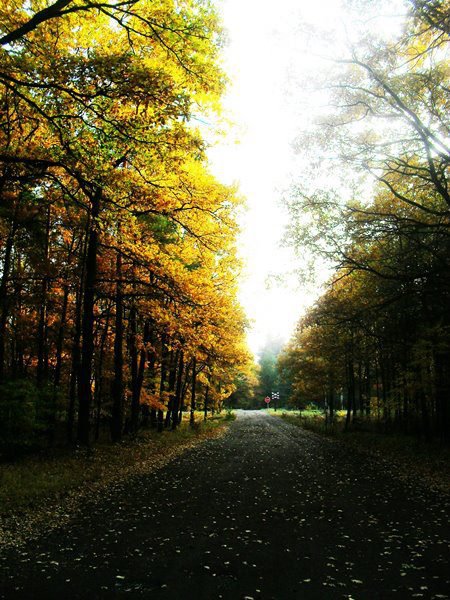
[
  {"x": 245, "y": 393},
  {"x": 268, "y": 375},
  {"x": 379, "y": 337},
  {"x": 117, "y": 260},
  {"x": 269, "y": 381}
]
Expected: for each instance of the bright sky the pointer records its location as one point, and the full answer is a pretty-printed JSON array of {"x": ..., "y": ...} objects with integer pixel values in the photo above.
[
  {"x": 263, "y": 43},
  {"x": 270, "y": 46}
]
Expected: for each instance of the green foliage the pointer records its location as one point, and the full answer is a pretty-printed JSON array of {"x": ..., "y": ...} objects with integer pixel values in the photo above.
[
  {"x": 17, "y": 410},
  {"x": 26, "y": 414},
  {"x": 313, "y": 420},
  {"x": 230, "y": 415},
  {"x": 244, "y": 394},
  {"x": 268, "y": 375},
  {"x": 269, "y": 379},
  {"x": 163, "y": 229}
]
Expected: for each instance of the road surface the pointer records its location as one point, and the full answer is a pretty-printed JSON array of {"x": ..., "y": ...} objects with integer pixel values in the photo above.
[{"x": 268, "y": 511}]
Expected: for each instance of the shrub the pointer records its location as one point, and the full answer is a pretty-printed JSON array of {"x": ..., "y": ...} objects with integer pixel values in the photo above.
[{"x": 26, "y": 413}]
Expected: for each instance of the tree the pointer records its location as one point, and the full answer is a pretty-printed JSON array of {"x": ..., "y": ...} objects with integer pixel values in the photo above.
[
  {"x": 268, "y": 377},
  {"x": 119, "y": 250},
  {"x": 388, "y": 242}
]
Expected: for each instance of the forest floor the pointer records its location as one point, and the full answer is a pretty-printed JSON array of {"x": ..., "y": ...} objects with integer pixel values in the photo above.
[{"x": 267, "y": 510}]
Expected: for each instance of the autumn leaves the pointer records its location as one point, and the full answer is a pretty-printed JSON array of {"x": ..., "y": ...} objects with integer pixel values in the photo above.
[{"x": 118, "y": 261}]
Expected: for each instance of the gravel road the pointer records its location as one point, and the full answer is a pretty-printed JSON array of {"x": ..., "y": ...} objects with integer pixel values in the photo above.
[{"x": 267, "y": 511}]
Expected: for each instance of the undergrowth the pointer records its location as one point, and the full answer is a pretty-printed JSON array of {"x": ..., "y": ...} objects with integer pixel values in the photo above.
[
  {"x": 33, "y": 480},
  {"x": 428, "y": 459}
]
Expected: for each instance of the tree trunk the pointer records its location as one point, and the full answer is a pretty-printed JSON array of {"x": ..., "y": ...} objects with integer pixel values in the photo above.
[
  {"x": 331, "y": 399},
  {"x": 205, "y": 407},
  {"x": 135, "y": 392},
  {"x": 377, "y": 383},
  {"x": 193, "y": 391},
  {"x": 360, "y": 389},
  {"x": 87, "y": 326},
  {"x": 4, "y": 304},
  {"x": 42, "y": 351},
  {"x": 76, "y": 366},
  {"x": 76, "y": 350},
  {"x": 18, "y": 363},
  {"x": 60, "y": 340},
  {"x": 118, "y": 385},
  {"x": 172, "y": 381},
  {"x": 98, "y": 394},
  {"x": 384, "y": 392},
  {"x": 350, "y": 392},
  {"x": 151, "y": 370},
  {"x": 137, "y": 368},
  {"x": 368, "y": 394},
  {"x": 178, "y": 391},
  {"x": 162, "y": 383}
]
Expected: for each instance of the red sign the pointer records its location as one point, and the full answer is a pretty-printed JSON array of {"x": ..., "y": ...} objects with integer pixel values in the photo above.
[{"x": 267, "y": 399}]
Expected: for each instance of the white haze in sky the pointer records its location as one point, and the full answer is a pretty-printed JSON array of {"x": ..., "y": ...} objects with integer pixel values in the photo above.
[{"x": 268, "y": 44}]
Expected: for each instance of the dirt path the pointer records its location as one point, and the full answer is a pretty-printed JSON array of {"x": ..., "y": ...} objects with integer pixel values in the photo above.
[{"x": 267, "y": 511}]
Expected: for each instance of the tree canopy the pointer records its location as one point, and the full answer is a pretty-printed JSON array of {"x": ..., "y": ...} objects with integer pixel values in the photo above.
[
  {"x": 118, "y": 262},
  {"x": 378, "y": 339}
]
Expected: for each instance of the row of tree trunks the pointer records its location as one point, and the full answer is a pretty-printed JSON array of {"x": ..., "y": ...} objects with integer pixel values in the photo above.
[
  {"x": 42, "y": 349},
  {"x": 79, "y": 317},
  {"x": 118, "y": 383}
]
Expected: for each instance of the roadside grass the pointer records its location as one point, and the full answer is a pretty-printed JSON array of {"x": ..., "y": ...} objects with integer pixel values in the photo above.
[
  {"x": 33, "y": 480},
  {"x": 412, "y": 455},
  {"x": 230, "y": 415},
  {"x": 314, "y": 420}
]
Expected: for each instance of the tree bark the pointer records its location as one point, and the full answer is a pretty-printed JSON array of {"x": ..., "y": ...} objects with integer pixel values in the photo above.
[
  {"x": 193, "y": 391},
  {"x": 87, "y": 327},
  {"x": 98, "y": 393},
  {"x": 205, "y": 406},
  {"x": 4, "y": 304},
  {"x": 18, "y": 362},
  {"x": 178, "y": 391},
  {"x": 172, "y": 381},
  {"x": 118, "y": 385},
  {"x": 164, "y": 355},
  {"x": 60, "y": 339},
  {"x": 151, "y": 369},
  {"x": 137, "y": 367},
  {"x": 76, "y": 365},
  {"x": 50, "y": 12},
  {"x": 350, "y": 392},
  {"x": 42, "y": 351}
]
